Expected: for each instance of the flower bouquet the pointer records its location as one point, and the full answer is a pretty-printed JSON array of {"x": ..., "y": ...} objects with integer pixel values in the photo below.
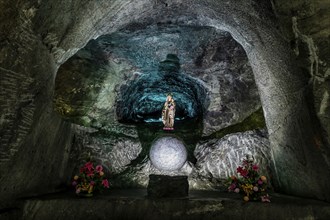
[
  {"x": 251, "y": 184},
  {"x": 90, "y": 180}
]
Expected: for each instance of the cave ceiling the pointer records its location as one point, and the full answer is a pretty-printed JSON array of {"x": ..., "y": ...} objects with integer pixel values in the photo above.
[{"x": 125, "y": 76}]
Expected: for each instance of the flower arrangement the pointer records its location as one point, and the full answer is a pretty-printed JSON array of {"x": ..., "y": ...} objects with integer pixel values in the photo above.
[
  {"x": 90, "y": 180},
  {"x": 251, "y": 184}
]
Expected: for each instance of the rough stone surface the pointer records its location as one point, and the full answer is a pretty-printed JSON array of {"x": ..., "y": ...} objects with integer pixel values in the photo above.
[
  {"x": 35, "y": 41},
  {"x": 306, "y": 25},
  {"x": 161, "y": 186},
  {"x": 34, "y": 141},
  {"x": 112, "y": 151},
  {"x": 126, "y": 71},
  {"x": 200, "y": 205},
  {"x": 85, "y": 87},
  {"x": 217, "y": 159}
]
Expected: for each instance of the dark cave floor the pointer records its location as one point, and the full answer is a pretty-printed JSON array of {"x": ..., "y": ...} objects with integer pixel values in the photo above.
[{"x": 134, "y": 204}]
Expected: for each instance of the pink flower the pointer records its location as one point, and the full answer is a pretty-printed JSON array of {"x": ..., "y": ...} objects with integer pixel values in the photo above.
[
  {"x": 89, "y": 166},
  {"x": 260, "y": 182},
  {"x": 82, "y": 169},
  {"x": 232, "y": 187},
  {"x": 242, "y": 171},
  {"x": 105, "y": 183},
  {"x": 239, "y": 169},
  {"x": 78, "y": 190},
  {"x": 255, "y": 167},
  {"x": 99, "y": 168},
  {"x": 90, "y": 174},
  {"x": 92, "y": 183},
  {"x": 236, "y": 190},
  {"x": 265, "y": 198},
  {"x": 74, "y": 183}
]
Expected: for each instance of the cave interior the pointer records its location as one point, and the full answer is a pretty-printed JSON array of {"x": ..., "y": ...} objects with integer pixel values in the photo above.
[{"x": 87, "y": 81}]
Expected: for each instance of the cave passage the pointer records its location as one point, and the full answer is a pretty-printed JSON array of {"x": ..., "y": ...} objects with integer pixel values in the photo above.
[
  {"x": 86, "y": 81},
  {"x": 116, "y": 86},
  {"x": 125, "y": 76},
  {"x": 144, "y": 98}
]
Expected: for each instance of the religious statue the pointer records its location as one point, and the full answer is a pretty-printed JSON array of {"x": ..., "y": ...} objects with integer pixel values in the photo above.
[{"x": 168, "y": 113}]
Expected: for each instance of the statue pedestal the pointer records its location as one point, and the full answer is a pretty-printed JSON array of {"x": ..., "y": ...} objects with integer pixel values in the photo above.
[
  {"x": 168, "y": 129},
  {"x": 161, "y": 186}
]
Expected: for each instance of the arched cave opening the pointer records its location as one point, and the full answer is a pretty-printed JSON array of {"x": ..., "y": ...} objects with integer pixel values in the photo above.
[
  {"x": 117, "y": 84},
  {"x": 143, "y": 99},
  {"x": 282, "y": 41}
]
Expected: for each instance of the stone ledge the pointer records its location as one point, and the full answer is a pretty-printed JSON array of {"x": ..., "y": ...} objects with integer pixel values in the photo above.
[{"x": 133, "y": 204}]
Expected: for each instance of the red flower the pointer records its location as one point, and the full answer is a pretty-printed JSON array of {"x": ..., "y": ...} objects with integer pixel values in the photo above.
[
  {"x": 89, "y": 166},
  {"x": 82, "y": 169},
  {"x": 99, "y": 168},
  {"x": 242, "y": 171},
  {"x": 90, "y": 174},
  {"x": 255, "y": 167},
  {"x": 248, "y": 182},
  {"x": 105, "y": 183},
  {"x": 90, "y": 179}
]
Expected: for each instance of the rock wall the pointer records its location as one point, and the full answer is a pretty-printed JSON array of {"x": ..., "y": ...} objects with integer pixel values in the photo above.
[
  {"x": 305, "y": 24},
  {"x": 35, "y": 40},
  {"x": 115, "y": 151},
  {"x": 123, "y": 74},
  {"x": 218, "y": 159},
  {"x": 34, "y": 141}
]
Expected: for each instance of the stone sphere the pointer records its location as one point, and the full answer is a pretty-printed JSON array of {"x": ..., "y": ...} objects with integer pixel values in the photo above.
[{"x": 168, "y": 153}]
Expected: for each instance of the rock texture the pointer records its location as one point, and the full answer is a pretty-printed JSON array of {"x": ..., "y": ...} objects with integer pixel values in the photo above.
[
  {"x": 115, "y": 152},
  {"x": 35, "y": 41},
  {"x": 217, "y": 159},
  {"x": 34, "y": 141},
  {"x": 132, "y": 204},
  {"x": 131, "y": 71},
  {"x": 306, "y": 25}
]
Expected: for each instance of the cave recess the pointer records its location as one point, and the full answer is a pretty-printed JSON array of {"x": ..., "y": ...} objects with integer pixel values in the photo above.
[{"x": 276, "y": 53}]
